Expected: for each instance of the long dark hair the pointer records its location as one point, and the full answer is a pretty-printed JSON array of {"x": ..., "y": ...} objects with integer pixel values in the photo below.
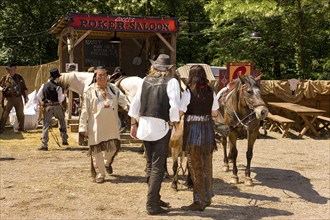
[{"x": 198, "y": 83}]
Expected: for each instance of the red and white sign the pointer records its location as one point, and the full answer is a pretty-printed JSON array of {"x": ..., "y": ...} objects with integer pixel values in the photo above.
[{"x": 122, "y": 23}]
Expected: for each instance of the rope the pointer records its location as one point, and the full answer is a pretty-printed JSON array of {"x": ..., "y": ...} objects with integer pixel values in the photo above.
[{"x": 240, "y": 121}]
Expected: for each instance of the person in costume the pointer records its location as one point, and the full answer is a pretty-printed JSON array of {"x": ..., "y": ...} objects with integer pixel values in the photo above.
[
  {"x": 50, "y": 96},
  {"x": 156, "y": 105},
  {"x": 13, "y": 87},
  {"x": 200, "y": 107},
  {"x": 99, "y": 123}
]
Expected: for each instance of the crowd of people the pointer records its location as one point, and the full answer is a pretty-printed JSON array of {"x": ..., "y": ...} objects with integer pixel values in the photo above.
[{"x": 155, "y": 110}]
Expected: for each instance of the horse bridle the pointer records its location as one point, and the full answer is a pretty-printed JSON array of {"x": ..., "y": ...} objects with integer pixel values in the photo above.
[{"x": 251, "y": 108}]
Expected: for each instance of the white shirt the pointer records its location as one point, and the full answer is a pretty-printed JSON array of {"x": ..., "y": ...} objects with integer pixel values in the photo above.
[
  {"x": 150, "y": 128},
  {"x": 185, "y": 101},
  {"x": 60, "y": 94}
]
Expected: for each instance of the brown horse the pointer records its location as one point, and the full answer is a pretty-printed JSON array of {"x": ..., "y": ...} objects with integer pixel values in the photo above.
[
  {"x": 243, "y": 109},
  {"x": 175, "y": 146}
]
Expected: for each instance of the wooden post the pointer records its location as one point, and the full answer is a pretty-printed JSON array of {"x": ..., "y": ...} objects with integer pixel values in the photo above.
[{"x": 173, "y": 53}]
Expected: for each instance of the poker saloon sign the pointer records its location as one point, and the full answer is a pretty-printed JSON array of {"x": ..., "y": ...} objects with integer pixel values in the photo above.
[{"x": 122, "y": 23}]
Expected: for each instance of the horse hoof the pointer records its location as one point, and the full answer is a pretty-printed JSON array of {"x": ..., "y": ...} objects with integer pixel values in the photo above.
[
  {"x": 167, "y": 175},
  {"x": 174, "y": 186},
  {"x": 225, "y": 168},
  {"x": 248, "y": 182},
  {"x": 234, "y": 180}
]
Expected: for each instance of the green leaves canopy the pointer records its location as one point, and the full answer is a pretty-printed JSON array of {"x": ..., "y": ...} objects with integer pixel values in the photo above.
[{"x": 295, "y": 33}]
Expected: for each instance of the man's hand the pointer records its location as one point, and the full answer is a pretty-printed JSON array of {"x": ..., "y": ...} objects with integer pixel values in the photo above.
[{"x": 133, "y": 131}]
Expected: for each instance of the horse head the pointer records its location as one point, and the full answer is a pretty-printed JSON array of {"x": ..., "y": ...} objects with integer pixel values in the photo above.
[
  {"x": 76, "y": 81},
  {"x": 250, "y": 97}
]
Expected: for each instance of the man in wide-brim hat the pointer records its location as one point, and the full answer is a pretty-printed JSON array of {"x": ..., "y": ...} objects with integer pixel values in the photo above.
[
  {"x": 162, "y": 63},
  {"x": 156, "y": 105},
  {"x": 13, "y": 87}
]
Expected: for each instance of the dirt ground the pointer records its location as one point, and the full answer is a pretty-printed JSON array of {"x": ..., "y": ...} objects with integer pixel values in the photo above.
[{"x": 291, "y": 181}]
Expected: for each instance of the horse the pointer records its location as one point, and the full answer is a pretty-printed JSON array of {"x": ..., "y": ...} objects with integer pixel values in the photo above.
[
  {"x": 175, "y": 146},
  {"x": 243, "y": 109},
  {"x": 76, "y": 81},
  {"x": 79, "y": 81}
]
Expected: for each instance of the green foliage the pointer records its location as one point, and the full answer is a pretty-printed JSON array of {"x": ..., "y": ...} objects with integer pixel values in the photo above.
[
  {"x": 294, "y": 42},
  {"x": 295, "y": 33}
]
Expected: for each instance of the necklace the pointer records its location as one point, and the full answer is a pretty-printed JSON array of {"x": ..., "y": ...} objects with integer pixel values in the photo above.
[{"x": 107, "y": 102}]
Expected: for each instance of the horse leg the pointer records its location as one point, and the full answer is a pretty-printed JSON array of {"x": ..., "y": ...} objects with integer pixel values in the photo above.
[
  {"x": 225, "y": 157},
  {"x": 189, "y": 182},
  {"x": 252, "y": 136},
  {"x": 175, "y": 156},
  {"x": 166, "y": 174},
  {"x": 230, "y": 156},
  {"x": 233, "y": 149}
]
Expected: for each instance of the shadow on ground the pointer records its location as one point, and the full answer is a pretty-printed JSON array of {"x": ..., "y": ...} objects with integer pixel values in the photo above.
[{"x": 289, "y": 181}]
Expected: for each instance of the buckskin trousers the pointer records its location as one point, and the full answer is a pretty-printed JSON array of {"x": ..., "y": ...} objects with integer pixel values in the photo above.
[
  {"x": 102, "y": 159},
  {"x": 200, "y": 167},
  {"x": 156, "y": 153}
]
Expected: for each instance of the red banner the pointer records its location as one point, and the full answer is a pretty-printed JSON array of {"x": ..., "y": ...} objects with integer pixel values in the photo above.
[
  {"x": 122, "y": 23},
  {"x": 239, "y": 68}
]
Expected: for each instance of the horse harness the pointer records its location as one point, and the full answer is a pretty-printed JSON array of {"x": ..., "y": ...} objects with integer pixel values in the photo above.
[
  {"x": 251, "y": 116},
  {"x": 118, "y": 83}
]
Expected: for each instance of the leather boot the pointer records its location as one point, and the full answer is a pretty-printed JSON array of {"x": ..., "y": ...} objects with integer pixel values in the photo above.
[{"x": 196, "y": 206}]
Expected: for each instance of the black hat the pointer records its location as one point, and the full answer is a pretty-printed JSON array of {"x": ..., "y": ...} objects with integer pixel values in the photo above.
[
  {"x": 162, "y": 63},
  {"x": 11, "y": 67},
  {"x": 54, "y": 73}
]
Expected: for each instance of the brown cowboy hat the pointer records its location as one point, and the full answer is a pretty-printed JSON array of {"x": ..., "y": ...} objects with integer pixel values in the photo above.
[{"x": 162, "y": 63}]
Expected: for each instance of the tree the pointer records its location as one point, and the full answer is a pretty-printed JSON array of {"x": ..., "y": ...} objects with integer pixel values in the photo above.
[
  {"x": 292, "y": 33},
  {"x": 294, "y": 44}
]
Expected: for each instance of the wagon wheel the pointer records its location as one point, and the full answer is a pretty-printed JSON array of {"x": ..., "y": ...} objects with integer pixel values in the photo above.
[{"x": 69, "y": 33}]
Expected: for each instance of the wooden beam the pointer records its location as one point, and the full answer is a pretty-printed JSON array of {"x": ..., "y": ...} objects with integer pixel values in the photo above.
[
  {"x": 173, "y": 53},
  {"x": 139, "y": 45},
  {"x": 147, "y": 48},
  {"x": 82, "y": 37},
  {"x": 165, "y": 42},
  {"x": 60, "y": 53},
  {"x": 137, "y": 42}
]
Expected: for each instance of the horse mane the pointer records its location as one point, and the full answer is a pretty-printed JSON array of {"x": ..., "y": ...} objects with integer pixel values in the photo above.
[
  {"x": 74, "y": 80},
  {"x": 65, "y": 80},
  {"x": 233, "y": 98}
]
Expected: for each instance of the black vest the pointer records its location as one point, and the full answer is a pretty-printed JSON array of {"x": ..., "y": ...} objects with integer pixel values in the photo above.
[
  {"x": 199, "y": 106},
  {"x": 50, "y": 93},
  {"x": 154, "y": 98}
]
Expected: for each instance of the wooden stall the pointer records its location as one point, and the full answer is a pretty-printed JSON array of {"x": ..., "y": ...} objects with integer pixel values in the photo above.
[
  {"x": 110, "y": 41},
  {"x": 91, "y": 40}
]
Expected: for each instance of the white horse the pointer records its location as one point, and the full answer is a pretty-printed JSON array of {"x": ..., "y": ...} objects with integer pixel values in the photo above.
[
  {"x": 76, "y": 81},
  {"x": 79, "y": 81}
]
